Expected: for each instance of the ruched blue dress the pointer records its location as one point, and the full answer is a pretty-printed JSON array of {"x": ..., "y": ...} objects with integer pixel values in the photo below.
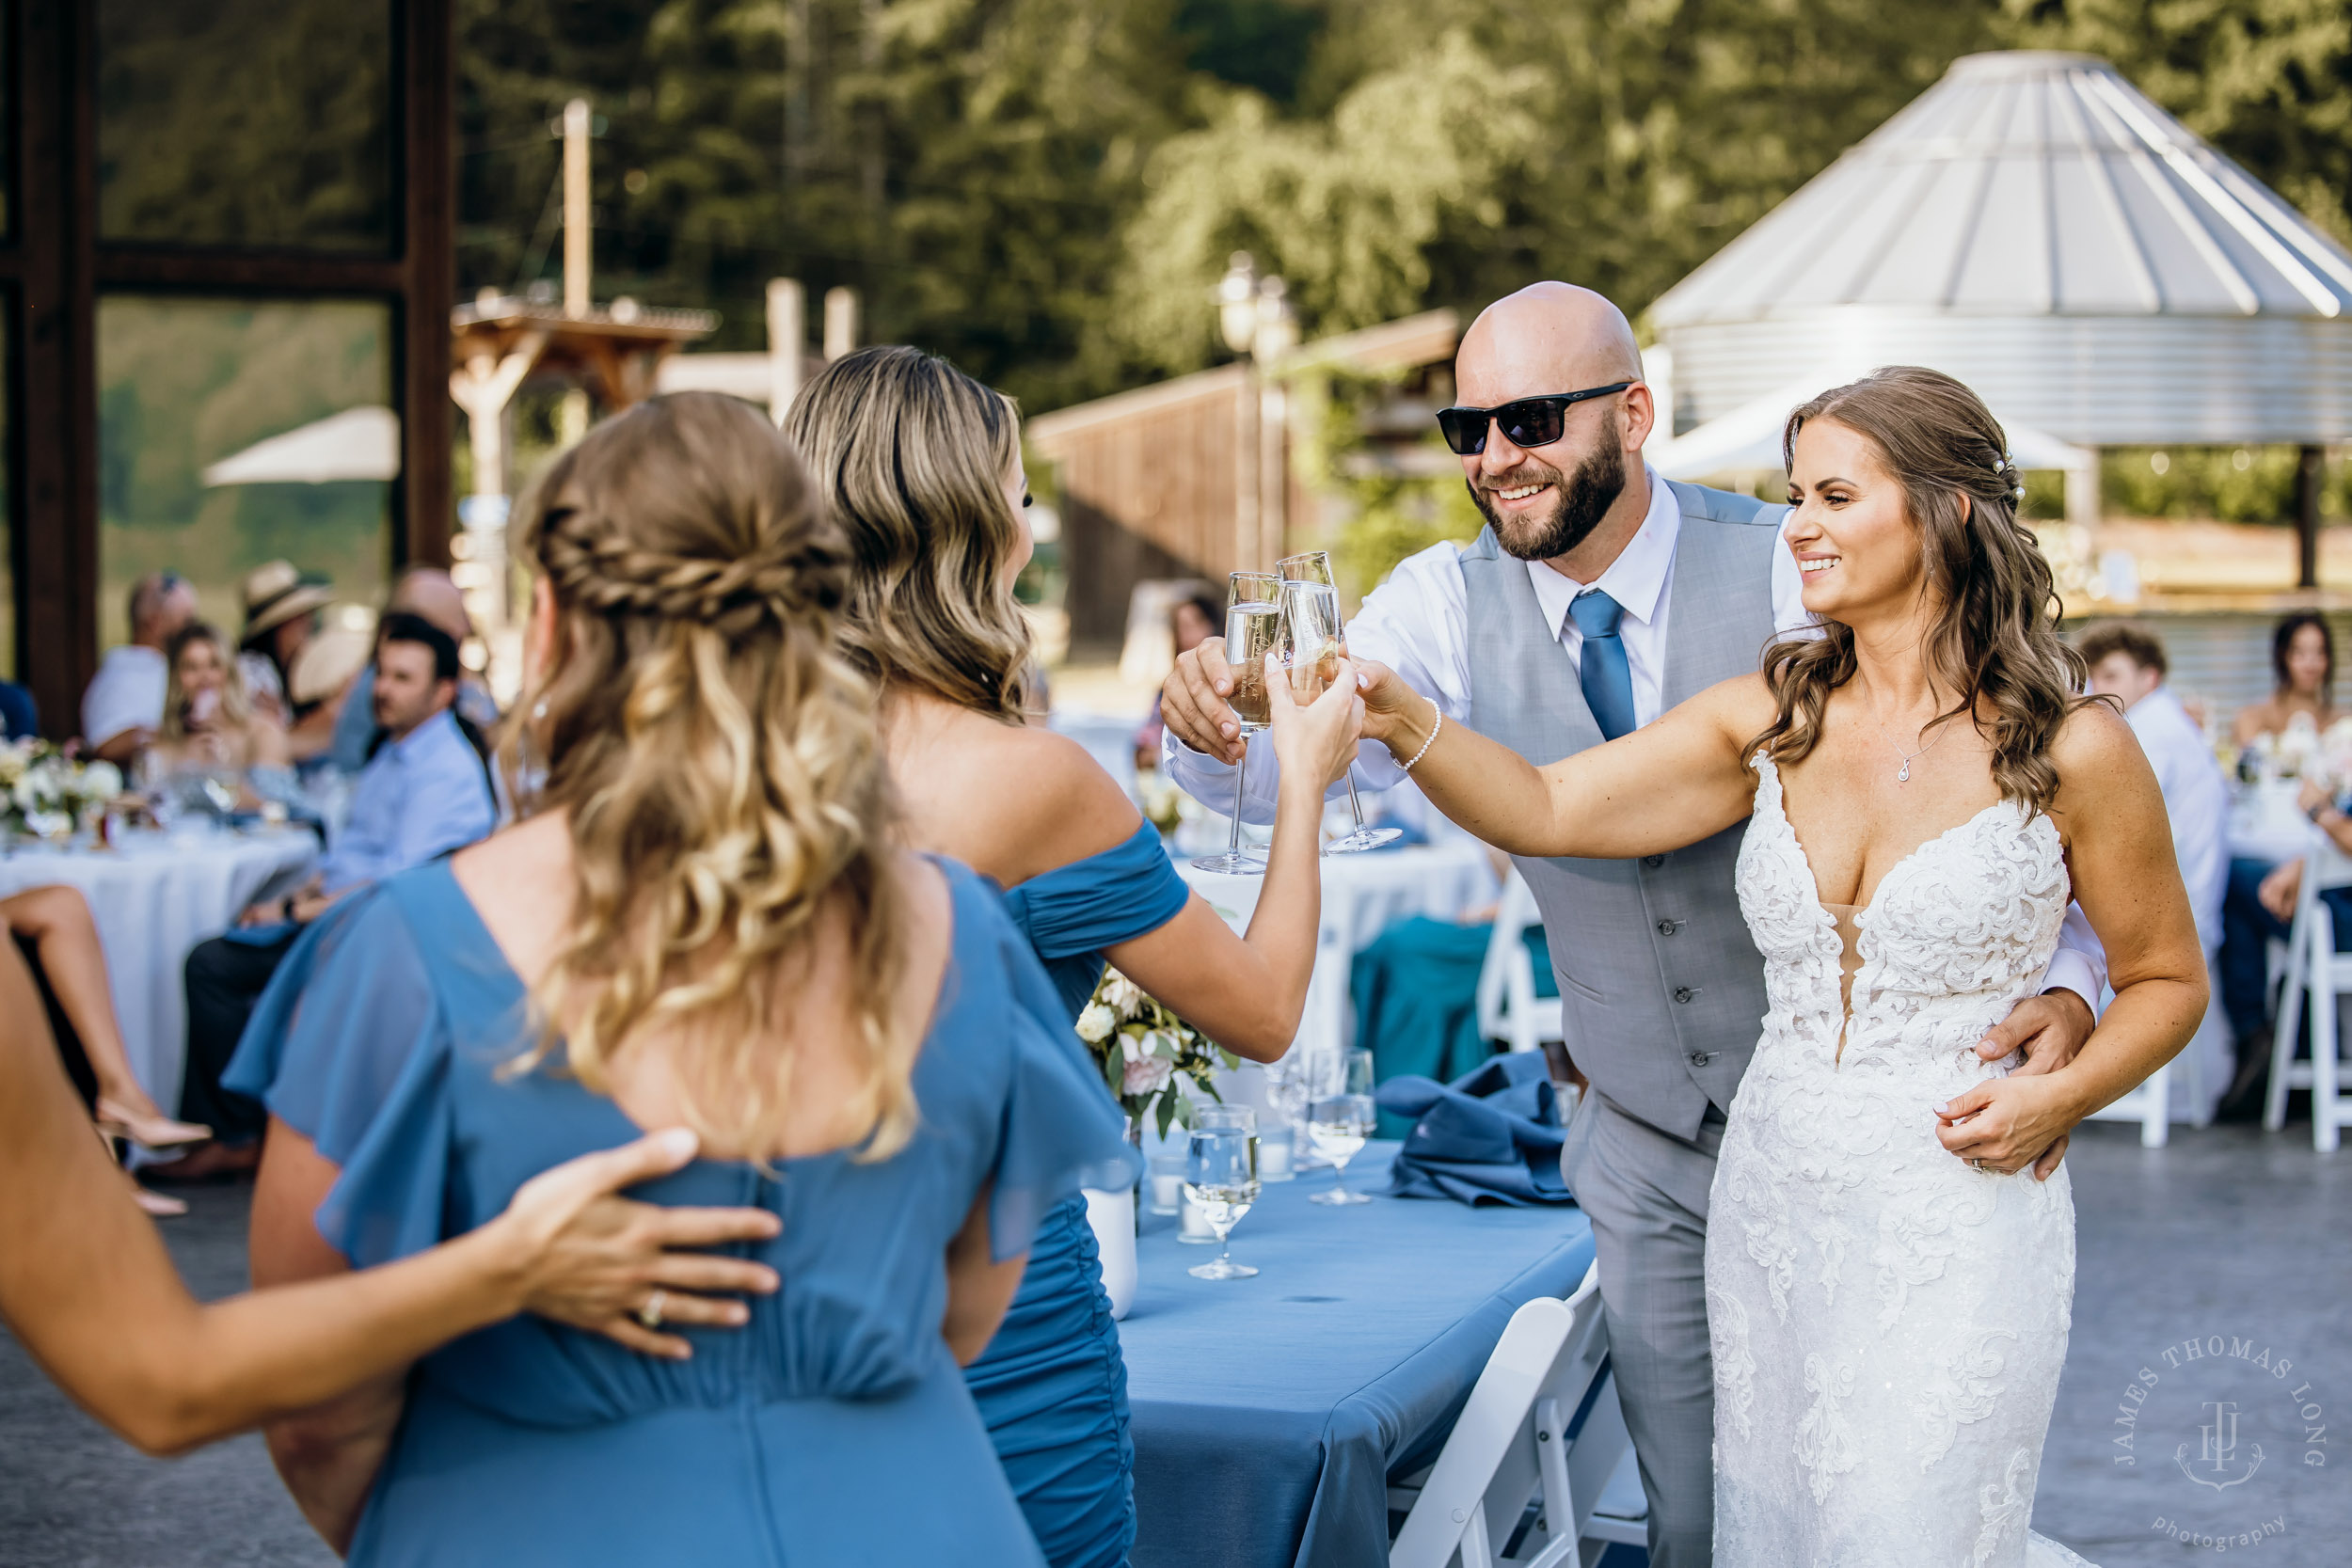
[
  {"x": 835, "y": 1429},
  {"x": 1052, "y": 1386}
]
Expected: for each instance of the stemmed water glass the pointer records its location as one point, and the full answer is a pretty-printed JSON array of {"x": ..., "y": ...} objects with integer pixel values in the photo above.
[
  {"x": 1340, "y": 1122},
  {"x": 1253, "y": 627},
  {"x": 1320, "y": 644},
  {"x": 1221, "y": 1179}
]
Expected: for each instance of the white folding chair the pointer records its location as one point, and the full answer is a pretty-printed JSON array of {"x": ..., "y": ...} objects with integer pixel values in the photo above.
[
  {"x": 1521, "y": 1479},
  {"x": 2314, "y": 965},
  {"x": 1508, "y": 1007}
]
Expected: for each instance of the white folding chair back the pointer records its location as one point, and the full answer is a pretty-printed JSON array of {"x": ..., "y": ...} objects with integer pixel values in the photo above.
[
  {"x": 1508, "y": 1007},
  {"x": 2314, "y": 965},
  {"x": 1543, "y": 1425}
]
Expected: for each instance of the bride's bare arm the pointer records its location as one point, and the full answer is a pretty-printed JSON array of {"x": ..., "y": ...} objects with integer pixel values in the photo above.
[
  {"x": 2119, "y": 850},
  {"x": 1668, "y": 783}
]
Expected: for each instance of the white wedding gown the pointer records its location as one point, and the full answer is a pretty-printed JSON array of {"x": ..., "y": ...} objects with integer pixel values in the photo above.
[{"x": 1888, "y": 1324}]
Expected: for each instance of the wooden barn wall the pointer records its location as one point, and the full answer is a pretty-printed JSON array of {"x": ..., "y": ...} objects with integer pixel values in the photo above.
[{"x": 1152, "y": 495}]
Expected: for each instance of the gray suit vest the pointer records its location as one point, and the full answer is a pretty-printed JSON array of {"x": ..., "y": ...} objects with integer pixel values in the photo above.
[{"x": 1662, "y": 991}]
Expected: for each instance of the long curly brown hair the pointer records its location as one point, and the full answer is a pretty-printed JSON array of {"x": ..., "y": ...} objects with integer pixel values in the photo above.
[
  {"x": 1993, "y": 641},
  {"x": 720, "y": 763}
]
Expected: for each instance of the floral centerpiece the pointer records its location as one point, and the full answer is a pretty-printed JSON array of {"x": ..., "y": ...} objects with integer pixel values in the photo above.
[
  {"x": 1143, "y": 1048},
  {"x": 49, "y": 793}
]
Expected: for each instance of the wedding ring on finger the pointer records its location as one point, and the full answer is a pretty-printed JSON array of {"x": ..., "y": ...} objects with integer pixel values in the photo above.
[
  {"x": 650, "y": 1314},
  {"x": 1980, "y": 1166}
]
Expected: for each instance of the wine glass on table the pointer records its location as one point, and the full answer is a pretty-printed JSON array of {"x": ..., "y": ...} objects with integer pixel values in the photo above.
[
  {"x": 1221, "y": 1179},
  {"x": 1327, "y": 647},
  {"x": 1340, "y": 1122},
  {"x": 1253, "y": 627}
]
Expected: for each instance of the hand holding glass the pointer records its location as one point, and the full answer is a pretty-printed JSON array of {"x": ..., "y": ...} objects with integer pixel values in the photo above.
[
  {"x": 1221, "y": 1179},
  {"x": 1318, "y": 639},
  {"x": 1253, "y": 628}
]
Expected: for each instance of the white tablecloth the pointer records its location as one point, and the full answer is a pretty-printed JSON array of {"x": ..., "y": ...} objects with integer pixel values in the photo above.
[
  {"x": 1362, "y": 895},
  {"x": 154, "y": 898}
]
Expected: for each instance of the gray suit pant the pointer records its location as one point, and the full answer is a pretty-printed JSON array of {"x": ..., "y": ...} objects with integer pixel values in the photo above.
[{"x": 1646, "y": 1193}]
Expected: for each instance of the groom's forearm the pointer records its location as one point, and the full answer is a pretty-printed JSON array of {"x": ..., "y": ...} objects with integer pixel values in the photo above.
[{"x": 1211, "y": 781}]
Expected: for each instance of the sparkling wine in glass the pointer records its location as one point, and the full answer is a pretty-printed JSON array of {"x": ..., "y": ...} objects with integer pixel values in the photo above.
[
  {"x": 1253, "y": 627},
  {"x": 1328, "y": 645},
  {"x": 1221, "y": 1179}
]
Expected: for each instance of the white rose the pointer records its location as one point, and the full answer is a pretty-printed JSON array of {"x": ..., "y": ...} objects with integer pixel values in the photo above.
[
  {"x": 1096, "y": 1022},
  {"x": 101, "y": 780},
  {"x": 1147, "y": 1075},
  {"x": 1121, "y": 996},
  {"x": 12, "y": 764}
]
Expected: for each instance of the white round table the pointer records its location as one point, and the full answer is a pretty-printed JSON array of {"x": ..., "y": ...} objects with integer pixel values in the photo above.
[
  {"x": 1362, "y": 895},
  {"x": 154, "y": 896}
]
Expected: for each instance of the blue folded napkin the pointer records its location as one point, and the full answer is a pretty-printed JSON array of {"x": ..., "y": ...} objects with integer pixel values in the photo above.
[{"x": 1492, "y": 1136}]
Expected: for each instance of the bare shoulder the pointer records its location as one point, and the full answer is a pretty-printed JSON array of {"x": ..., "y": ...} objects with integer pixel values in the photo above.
[
  {"x": 1739, "y": 707},
  {"x": 1011, "y": 800},
  {"x": 2100, "y": 763}
]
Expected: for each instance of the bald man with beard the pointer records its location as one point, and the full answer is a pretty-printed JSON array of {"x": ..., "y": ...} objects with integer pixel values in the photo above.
[{"x": 1599, "y": 595}]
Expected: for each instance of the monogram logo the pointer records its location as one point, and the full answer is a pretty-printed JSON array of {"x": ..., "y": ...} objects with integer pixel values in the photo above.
[{"x": 2215, "y": 1463}]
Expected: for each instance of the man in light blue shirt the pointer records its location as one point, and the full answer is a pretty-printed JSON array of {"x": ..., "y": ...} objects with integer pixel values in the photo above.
[{"x": 426, "y": 791}]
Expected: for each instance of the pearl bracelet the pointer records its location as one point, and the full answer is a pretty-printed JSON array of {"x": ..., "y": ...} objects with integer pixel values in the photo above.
[{"x": 1431, "y": 741}]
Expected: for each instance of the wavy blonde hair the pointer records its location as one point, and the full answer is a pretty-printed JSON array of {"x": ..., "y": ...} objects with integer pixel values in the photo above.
[
  {"x": 236, "y": 703},
  {"x": 720, "y": 764},
  {"x": 1993, "y": 641},
  {"x": 912, "y": 454}
]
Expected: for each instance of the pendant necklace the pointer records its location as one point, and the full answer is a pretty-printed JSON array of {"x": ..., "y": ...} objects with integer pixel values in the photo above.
[{"x": 1904, "y": 774}]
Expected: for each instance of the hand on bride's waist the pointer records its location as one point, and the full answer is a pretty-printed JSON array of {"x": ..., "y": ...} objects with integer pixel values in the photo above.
[{"x": 2008, "y": 1124}]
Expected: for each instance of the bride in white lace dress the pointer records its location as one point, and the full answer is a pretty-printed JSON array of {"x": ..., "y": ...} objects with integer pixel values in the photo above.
[{"x": 1889, "y": 1274}]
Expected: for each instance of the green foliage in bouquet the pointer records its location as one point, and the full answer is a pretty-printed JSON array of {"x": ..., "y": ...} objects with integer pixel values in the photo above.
[{"x": 1143, "y": 1048}]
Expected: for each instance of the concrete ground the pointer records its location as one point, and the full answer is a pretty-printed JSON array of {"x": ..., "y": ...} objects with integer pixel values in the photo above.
[{"x": 2227, "y": 1233}]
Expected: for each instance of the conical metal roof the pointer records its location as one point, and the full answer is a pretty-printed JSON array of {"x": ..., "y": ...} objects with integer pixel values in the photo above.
[{"x": 2033, "y": 215}]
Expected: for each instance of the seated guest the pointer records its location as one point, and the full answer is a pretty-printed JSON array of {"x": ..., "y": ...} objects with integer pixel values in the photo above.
[
  {"x": 123, "y": 705},
  {"x": 281, "y": 615},
  {"x": 423, "y": 793},
  {"x": 421, "y": 591},
  {"x": 209, "y": 719},
  {"x": 2303, "y": 658},
  {"x": 59, "y": 941},
  {"x": 2128, "y": 663},
  {"x": 1192, "y": 621}
]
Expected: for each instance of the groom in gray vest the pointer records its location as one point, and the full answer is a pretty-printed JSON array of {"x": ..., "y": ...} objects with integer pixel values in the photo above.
[{"x": 1598, "y": 597}]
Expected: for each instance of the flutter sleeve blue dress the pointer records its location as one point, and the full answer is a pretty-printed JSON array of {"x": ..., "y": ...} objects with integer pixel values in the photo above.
[
  {"x": 1052, "y": 1386},
  {"x": 834, "y": 1429}
]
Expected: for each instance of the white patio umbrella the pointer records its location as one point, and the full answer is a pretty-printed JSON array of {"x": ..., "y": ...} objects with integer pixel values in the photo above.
[{"x": 358, "y": 443}]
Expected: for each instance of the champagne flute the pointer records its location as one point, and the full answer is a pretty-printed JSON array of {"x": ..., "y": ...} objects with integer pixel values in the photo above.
[
  {"x": 1329, "y": 646},
  {"x": 1221, "y": 1179},
  {"x": 1254, "y": 626},
  {"x": 1341, "y": 1123}
]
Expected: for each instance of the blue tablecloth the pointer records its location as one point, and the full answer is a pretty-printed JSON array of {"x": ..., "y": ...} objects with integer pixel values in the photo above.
[{"x": 1270, "y": 1412}]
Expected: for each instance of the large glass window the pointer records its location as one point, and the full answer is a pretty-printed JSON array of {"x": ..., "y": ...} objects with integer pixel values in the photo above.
[
  {"x": 247, "y": 123},
  {"x": 185, "y": 386}
]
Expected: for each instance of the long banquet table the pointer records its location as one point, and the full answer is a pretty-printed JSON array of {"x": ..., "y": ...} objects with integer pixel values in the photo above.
[
  {"x": 1269, "y": 1412},
  {"x": 153, "y": 898}
]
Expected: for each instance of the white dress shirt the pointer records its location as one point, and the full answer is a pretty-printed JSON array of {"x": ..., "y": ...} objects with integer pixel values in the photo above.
[
  {"x": 127, "y": 693},
  {"x": 2196, "y": 797},
  {"x": 1418, "y": 625}
]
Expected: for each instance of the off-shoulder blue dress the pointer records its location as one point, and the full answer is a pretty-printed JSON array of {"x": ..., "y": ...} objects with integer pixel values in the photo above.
[
  {"x": 1052, "y": 1386},
  {"x": 835, "y": 1429}
]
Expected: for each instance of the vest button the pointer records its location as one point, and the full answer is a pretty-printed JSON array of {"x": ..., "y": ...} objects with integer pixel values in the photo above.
[
  {"x": 1653, "y": 862},
  {"x": 1684, "y": 993},
  {"x": 1668, "y": 927},
  {"x": 1700, "y": 1058}
]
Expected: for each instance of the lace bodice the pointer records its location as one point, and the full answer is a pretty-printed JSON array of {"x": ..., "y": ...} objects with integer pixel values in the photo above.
[
  {"x": 1888, "y": 1324},
  {"x": 1957, "y": 932}
]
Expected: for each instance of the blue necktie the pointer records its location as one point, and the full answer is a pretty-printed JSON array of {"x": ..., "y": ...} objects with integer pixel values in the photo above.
[{"x": 1607, "y": 679}]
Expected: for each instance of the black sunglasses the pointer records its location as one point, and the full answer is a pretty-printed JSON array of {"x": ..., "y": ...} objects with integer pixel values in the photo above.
[{"x": 1527, "y": 423}]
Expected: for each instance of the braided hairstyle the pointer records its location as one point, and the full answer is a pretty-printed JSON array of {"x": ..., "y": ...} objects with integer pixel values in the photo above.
[
  {"x": 1994, "y": 639},
  {"x": 719, "y": 762}
]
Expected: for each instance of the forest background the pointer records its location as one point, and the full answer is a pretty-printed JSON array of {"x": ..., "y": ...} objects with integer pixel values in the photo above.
[{"x": 1047, "y": 190}]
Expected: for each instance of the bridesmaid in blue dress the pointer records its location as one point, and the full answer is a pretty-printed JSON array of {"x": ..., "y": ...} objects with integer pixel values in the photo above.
[
  {"x": 922, "y": 465},
  {"x": 702, "y": 920}
]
